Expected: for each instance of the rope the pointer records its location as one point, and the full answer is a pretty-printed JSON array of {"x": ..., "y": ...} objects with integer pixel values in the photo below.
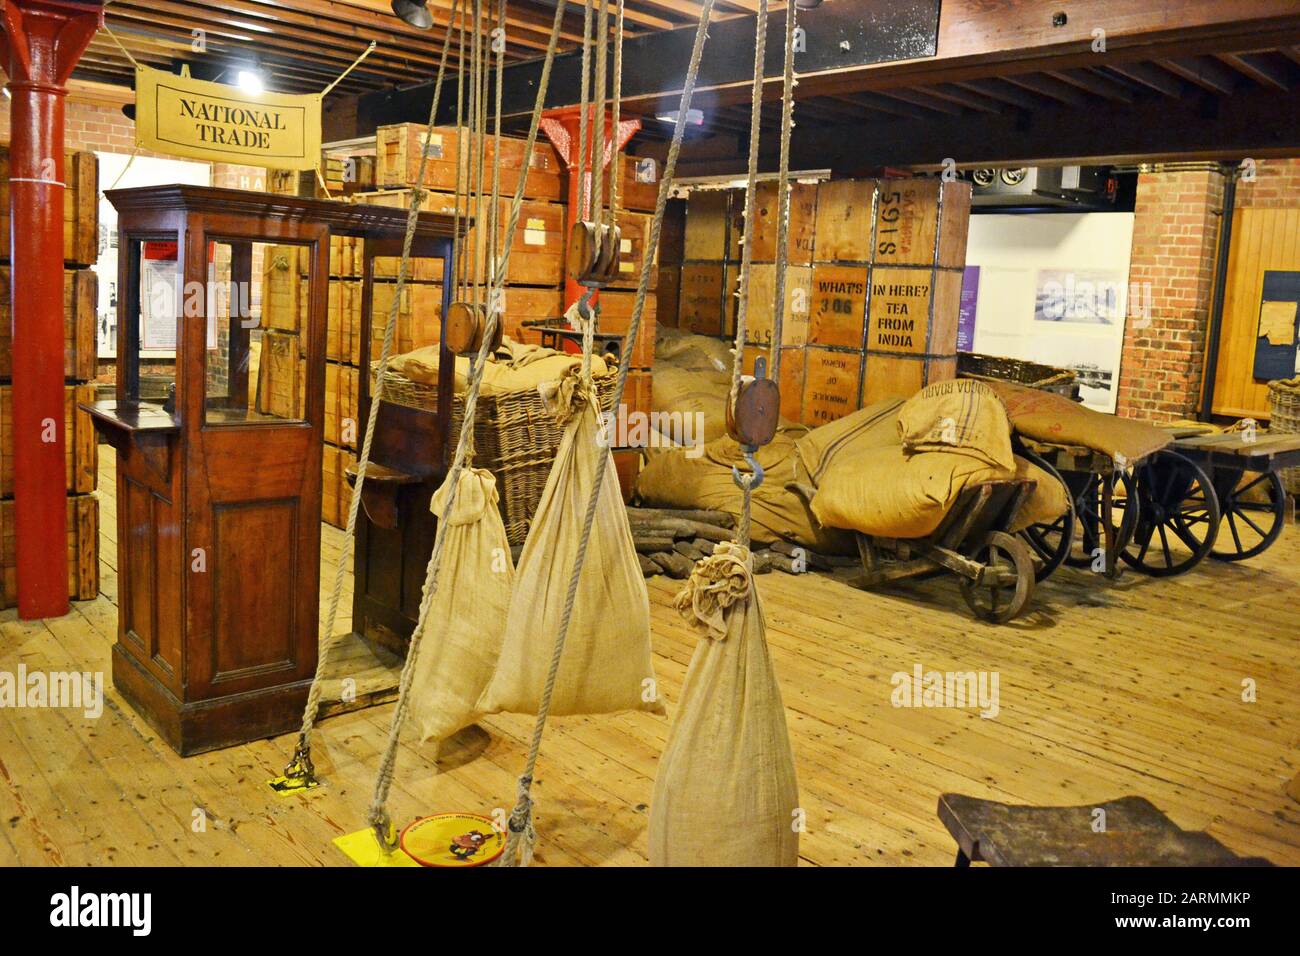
[
  {"x": 751, "y": 182},
  {"x": 355, "y": 63},
  {"x": 329, "y": 640},
  {"x": 584, "y": 107},
  {"x": 783, "y": 196},
  {"x": 521, "y": 820},
  {"x": 598, "y": 147},
  {"x": 378, "y": 814},
  {"x": 616, "y": 109}
]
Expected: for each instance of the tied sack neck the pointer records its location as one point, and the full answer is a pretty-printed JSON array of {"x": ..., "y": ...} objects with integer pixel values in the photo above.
[
  {"x": 567, "y": 397},
  {"x": 716, "y": 583}
]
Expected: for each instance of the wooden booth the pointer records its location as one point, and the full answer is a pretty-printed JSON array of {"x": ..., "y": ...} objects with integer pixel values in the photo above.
[{"x": 219, "y": 488}]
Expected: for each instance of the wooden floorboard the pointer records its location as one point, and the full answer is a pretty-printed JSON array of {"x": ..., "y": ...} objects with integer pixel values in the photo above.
[{"x": 1104, "y": 690}]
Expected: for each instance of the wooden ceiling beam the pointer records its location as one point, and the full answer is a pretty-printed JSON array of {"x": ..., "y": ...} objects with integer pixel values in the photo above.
[
  {"x": 1258, "y": 68},
  {"x": 534, "y": 24},
  {"x": 1050, "y": 87},
  {"x": 1094, "y": 83},
  {"x": 1006, "y": 92},
  {"x": 955, "y": 94},
  {"x": 249, "y": 15},
  {"x": 1152, "y": 77},
  {"x": 255, "y": 36},
  {"x": 1207, "y": 73}
]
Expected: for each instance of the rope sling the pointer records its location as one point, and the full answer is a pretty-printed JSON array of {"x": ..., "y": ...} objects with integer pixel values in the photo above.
[
  {"x": 725, "y": 790},
  {"x": 300, "y": 767},
  {"x": 520, "y": 834}
]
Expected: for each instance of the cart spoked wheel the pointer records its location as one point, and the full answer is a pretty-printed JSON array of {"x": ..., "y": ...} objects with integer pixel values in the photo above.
[
  {"x": 1089, "y": 515},
  {"x": 1006, "y": 581},
  {"x": 1254, "y": 510},
  {"x": 1049, "y": 541},
  {"x": 1178, "y": 516}
]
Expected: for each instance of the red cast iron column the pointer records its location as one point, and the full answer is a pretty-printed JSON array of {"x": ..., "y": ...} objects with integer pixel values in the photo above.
[{"x": 41, "y": 43}]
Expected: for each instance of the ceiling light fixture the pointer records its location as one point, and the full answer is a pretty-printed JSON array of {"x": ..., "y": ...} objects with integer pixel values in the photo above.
[
  {"x": 694, "y": 117},
  {"x": 414, "y": 13},
  {"x": 250, "y": 81}
]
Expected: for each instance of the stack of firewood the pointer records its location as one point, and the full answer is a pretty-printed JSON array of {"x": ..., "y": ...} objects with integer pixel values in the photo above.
[{"x": 669, "y": 541}]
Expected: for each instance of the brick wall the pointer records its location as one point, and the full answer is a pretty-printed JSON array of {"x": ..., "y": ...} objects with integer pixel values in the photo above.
[
  {"x": 1171, "y": 276},
  {"x": 1276, "y": 184}
]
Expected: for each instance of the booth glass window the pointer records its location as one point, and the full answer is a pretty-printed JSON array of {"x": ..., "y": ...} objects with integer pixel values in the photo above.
[
  {"x": 257, "y": 332},
  {"x": 153, "y": 282}
]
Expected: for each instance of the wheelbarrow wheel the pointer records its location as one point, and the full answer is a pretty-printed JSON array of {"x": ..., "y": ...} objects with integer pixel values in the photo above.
[
  {"x": 1089, "y": 522},
  {"x": 1254, "y": 511},
  {"x": 1049, "y": 541},
  {"x": 1007, "y": 580},
  {"x": 1178, "y": 516}
]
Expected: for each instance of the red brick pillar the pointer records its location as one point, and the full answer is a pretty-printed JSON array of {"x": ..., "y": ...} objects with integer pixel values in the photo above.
[{"x": 1171, "y": 280}]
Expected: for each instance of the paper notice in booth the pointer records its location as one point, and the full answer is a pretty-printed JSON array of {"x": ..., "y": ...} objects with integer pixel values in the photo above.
[{"x": 1277, "y": 322}]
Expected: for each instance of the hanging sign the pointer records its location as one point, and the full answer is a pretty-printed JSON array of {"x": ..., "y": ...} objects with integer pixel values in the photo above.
[{"x": 182, "y": 116}]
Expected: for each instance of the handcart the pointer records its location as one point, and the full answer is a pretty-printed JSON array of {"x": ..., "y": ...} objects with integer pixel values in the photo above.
[
  {"x": 1104, "y": 519},
  {"x": 1244, "y": 471},
  {"x": 995, "y": 569}
]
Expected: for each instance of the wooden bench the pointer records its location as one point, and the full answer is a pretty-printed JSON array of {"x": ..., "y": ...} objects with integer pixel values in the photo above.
[{"x": 1135, "y": 834}]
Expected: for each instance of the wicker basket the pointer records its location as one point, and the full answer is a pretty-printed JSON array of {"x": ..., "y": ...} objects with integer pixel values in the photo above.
[
  {"x": 1284, "y": 408},
  {"x": 1030, "y": 374},
  {"x": 515, "y": 438}
]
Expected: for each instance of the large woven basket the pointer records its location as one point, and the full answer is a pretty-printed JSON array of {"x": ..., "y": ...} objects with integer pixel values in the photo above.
[
  {"x": 1049, "y": 378},
  {"x": 1284, "y": 408},
  {"x": 515, "y": 438}
]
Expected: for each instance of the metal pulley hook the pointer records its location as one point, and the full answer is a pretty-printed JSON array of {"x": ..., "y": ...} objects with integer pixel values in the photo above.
[{"x": 743, "y": 481}]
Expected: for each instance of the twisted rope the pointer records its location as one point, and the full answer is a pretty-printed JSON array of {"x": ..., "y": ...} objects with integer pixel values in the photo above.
[
  {"x": 751, "y": 181},
  {"x": 377, "y": 815},
  {"x": 521, "y": 818},
  {"x": 329, "y": 640},
  {"x": 783, "y": 195}
]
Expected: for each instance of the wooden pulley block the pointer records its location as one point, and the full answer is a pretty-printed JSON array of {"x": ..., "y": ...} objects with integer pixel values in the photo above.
[
  {"x": 592, "y": 260},
  {"x": 464, "y": 329},
  {"x": 753, "y": 418}
]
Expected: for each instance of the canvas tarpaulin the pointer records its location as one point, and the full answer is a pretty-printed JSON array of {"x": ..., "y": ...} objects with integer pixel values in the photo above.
[{"x": 725, "y": 792}]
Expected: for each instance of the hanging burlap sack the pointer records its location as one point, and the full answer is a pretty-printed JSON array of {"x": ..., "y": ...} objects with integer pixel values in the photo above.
[
  {"x": 725, "y": 792},
  {"x": 467, "y": 619},
  {"x": 606, "y": 662}
]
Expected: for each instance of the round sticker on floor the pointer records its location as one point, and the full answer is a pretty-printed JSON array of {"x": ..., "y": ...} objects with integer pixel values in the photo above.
[{"x": 452, "y": 839}]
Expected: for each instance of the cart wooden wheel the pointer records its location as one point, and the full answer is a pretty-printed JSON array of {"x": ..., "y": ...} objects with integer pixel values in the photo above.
[
  {"x": 1254, "y": 510},
  {"x": 1178, "y": 515},
  {"x": 1049, "y": 541},
  {"x": 1089, "y": 520},
  {"x": 1006, "y": 581}
]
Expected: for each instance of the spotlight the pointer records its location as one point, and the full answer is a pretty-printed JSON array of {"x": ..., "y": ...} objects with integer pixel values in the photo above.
[
  {"x": 413, "y": 12},
  {"x": 128, "y": 110},
  {"x": 250, "y": 81},
  {"x": 807, "y": 4}
]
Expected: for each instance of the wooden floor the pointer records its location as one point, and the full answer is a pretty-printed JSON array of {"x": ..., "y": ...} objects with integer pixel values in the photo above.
[{"x": 1105, "y": 690}]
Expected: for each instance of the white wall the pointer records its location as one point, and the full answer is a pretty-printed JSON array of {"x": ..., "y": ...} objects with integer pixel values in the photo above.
[
  {"x": 1087, "y": 253},
  {"x": 120, "y": 171}
]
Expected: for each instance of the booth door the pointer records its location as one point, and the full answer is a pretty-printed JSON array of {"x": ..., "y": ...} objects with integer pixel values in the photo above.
[{"x": 254, "y": 500}]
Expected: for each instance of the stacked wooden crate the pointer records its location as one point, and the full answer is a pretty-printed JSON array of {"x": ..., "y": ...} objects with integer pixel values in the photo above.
[
  {"x": 872, "y": 288},
  {"x": 339, "y": 176},
  {"x": 80, "y": 293},
  {"x": 282, "y": 369}
]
